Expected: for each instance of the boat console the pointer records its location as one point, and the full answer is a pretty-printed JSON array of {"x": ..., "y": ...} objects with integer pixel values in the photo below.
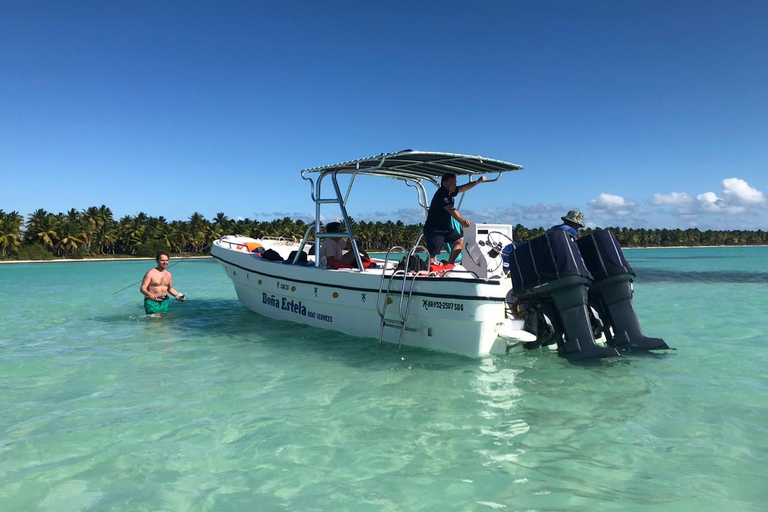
[{"x": 482, "y": 249}]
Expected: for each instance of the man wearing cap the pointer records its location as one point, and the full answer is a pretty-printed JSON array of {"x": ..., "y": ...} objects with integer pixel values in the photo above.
[{"x": 572, "y": 222}]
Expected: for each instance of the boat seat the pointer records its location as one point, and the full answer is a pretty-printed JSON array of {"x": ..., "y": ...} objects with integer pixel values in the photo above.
[{"x": 474, "y": 260}]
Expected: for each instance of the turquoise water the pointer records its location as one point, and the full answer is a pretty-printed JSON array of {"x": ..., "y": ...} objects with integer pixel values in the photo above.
[{"x": 216, "y": 408}]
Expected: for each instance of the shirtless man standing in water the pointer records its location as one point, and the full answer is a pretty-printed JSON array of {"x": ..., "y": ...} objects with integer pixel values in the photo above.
[{"x": 156, "y": 286}]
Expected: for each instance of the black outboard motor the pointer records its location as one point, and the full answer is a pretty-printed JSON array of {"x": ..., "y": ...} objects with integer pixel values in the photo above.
[
  {"x": 549, "y": 275},
  {"x": 611, "y": 292}
]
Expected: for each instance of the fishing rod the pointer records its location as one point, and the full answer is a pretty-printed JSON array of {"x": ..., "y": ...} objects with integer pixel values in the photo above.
[{"x": 169, "y": 266}]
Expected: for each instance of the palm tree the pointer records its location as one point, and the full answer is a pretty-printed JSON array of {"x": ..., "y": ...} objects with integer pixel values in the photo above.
[
  {"x": 10, "y": 232},
  {"x": 106, "y": 240},
  {"x": 130, "y": 234},
  {"x": 179, "y": 236},
  {"x": 95, "y": 227},
  {"x": 72, "y": 215},
  {"x": 72, "y": 231},
  {"x": 221, "y": 219},
  {"x": 157, "y": 228},
  {"x": 70, "y": 238},
  {"x": 42, "y": 229},
  {"x": 108, "y": 231},
  {"x": 92, "y": 225},
  {"x": 197, "y": 220}
]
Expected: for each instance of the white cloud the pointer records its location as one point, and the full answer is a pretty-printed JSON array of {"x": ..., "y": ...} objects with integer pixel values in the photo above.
[
  {"x": 406, "y": 215},
  {"x": 738, "y": 206},
  {"x": 737, "y": 191},
  {"x": 538, "y": 215},
  {"x": 542, "y": 213},
  {"x": 611, "y": 206},
  {"x": 709, "y": 202},
  {"x": 678, "y": 199}
]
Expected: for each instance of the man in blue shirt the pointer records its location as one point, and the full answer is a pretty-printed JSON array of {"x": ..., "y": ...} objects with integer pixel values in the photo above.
[
  {"x": 572, "y": 222},
  {"x": 438, "y": 229}
]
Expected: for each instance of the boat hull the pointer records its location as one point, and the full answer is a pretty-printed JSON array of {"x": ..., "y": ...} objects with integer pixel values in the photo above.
[{"x": 449, "y": 314}]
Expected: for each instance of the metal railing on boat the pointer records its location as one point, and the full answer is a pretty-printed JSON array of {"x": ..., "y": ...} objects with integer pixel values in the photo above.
[{"x": 381, "y": 306}]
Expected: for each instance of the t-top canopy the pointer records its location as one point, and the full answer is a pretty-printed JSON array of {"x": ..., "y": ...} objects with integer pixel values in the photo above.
[{"x": 418, "y": 165}]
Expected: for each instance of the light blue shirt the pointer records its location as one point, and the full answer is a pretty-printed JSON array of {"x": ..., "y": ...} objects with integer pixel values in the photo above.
[{"x": 565, "y": 227}]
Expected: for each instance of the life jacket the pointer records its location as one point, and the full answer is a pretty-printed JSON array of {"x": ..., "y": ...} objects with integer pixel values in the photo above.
[{"x": 338, "y": 264}]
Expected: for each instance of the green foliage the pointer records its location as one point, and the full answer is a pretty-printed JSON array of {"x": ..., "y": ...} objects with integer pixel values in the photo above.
[
  {"x": 79, "y": 253},
  {"x": 10, "y": 233},
  {"x": 95, "y": 232},
  {"x": 151, "y": 248},
  {"x": 34, "y": 252}
]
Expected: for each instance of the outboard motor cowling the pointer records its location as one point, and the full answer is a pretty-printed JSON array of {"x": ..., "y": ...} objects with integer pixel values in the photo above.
[
  {"x": 611, "y": 292},
  {"x": 549, "y": 271}
]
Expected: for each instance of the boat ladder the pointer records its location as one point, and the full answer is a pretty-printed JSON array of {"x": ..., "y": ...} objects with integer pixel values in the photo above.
[{"x": 404, "y": 306}]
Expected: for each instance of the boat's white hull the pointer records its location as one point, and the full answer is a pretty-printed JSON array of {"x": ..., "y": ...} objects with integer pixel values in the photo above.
[{"x": 458, "y": 315}]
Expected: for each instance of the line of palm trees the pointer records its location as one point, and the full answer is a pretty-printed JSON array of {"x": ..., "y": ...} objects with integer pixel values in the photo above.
[{"x": 95, "y": 232}]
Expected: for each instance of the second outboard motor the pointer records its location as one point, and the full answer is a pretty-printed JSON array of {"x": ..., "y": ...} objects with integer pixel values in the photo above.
[
  {"x": 549, "y": 272},
  {"x": 611, "y": 291}
]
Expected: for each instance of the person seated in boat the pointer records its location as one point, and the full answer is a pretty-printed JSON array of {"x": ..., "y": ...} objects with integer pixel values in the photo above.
[
  {"x": 332, "y": 250},
  {"x": 438, "y": 229},
  {"x": 572, "y": 222}
]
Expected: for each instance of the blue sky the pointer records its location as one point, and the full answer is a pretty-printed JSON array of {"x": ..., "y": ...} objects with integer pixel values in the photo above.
[{"x": 640, "y": 113}]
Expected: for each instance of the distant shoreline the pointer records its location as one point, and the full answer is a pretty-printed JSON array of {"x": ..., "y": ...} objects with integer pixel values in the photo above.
[
  {"x": 85, "y": 260},
  {"x": 177, "y": 258},
  {"x": 692, "y": 246}
]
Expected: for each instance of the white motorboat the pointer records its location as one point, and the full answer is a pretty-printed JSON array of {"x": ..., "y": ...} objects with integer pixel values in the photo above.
[{"x": 468, "y": 309}]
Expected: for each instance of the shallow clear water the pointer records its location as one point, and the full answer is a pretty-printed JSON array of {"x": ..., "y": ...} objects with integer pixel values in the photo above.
[{"x": 216, "y": 408}]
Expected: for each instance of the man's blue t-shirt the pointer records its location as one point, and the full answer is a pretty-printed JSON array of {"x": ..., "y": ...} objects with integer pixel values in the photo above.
[
  {"x": 438, "y": 219},
  {"x": 565, "y": 227}
]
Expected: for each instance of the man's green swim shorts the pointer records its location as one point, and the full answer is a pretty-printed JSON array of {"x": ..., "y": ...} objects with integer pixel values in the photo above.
[{"x": 151, "y": 307}]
